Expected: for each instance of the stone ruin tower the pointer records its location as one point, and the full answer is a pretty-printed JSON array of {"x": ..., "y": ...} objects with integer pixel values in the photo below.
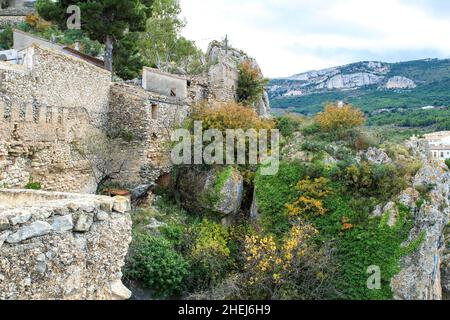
[{"x": 220, "y": 82}]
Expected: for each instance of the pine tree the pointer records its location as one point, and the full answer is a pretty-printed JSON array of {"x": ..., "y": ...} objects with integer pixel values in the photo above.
[{"x": 107, "y": 21}]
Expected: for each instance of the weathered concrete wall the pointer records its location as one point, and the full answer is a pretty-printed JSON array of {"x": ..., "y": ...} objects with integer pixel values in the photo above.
[
  {"x": 62, "y": 246},
  {"x": 46, "y": 105},
  {"x": 148, "y": 120},
  {"x": 163, "y": 83}
]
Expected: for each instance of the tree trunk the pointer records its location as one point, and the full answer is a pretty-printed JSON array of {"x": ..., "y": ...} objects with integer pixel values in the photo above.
[{"x": 109, "y": 53}]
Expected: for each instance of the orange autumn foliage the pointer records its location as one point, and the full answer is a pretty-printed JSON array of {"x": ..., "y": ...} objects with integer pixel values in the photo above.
[
  {"x": 230, "y": 115},
  {"x": 312, "y": 193},
  {"x": 336, "y": 119}
]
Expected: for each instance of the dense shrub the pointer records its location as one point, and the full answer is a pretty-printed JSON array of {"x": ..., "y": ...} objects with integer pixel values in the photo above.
[
  {"x": 360, "y": 140},
  {"x": 361, "y": 242},
  {"x": 288, "y": 124},
  {"x": 310, "y": 202},
  {"x": 155, "y": 263},
  {"x": 336, "y": 120},
  {"x": 6, "y": 38},
  {"x": 251, "y": 84},
  {"x": 274, "y": 192},
  {"x": 447, "y": 162},
  {"x": 209, "y": 256},
  {"x": 229, "y": 116},
  {"x": 371, "y": 180},
  {"x": 293, "y": 268}
]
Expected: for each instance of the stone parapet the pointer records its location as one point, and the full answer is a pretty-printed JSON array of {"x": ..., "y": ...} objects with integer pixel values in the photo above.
[{"x": 62, "y": 246}]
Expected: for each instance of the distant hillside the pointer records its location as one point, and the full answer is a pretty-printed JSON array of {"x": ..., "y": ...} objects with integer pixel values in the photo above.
[{"x": 375, "y": 87}]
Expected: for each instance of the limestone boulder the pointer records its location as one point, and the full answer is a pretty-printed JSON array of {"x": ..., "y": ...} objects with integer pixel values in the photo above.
[
  {"x": 409, "y": 197},
  {"x": 215, "y": 190},
  {"x": 121, "y": 204},
  {"x": 375, "y": 156},
  {"x": 36, "y": 229}
]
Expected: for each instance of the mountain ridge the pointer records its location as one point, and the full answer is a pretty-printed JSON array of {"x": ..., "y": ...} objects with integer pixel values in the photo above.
[{"x": 369, "y": 85}]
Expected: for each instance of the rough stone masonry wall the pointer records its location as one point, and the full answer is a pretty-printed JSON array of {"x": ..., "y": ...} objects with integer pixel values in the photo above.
[
  {"x": 223, "y": 76},
  {"x": 46, "y": 105},
  {"x": 62, "y": 246},
  {"x": 147, "y": 119}
]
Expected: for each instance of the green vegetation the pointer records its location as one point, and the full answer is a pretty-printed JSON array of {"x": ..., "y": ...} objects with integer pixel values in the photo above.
[
  {"x": 316, "y": 237},
  {"x": 251, "y": 84},
  {"x": 288, "y": 124},
  {"x": 163, "y": 46},
  {"x": 209, "y": 255},
  {"x": 33, "y": 185},
  {"x": 6, "y": 38},
  {"x": 435, "y": 119},
  {"x": 106, "y": 21},
  {"x": 447, "y": 162},
  {"x": 433, "y": 89},
  {"x": 221, "y": 178},
  {"x": 156, "y": 263}
]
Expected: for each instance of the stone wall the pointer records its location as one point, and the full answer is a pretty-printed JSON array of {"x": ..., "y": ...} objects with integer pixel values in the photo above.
[
  {"x": 147, "y": 119},
  {"x": 164, "y": 83},
  {"x": 46, "y": 105},
  {"x": 62, "y": 246},
  {"x": 10, "y": 20}
]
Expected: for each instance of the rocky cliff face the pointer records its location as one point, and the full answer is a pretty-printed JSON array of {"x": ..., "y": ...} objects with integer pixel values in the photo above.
[
  {"x": 400, "y": 83},
  {"x": 346, "y": 77},
  {"x": 424, "y": 273}
]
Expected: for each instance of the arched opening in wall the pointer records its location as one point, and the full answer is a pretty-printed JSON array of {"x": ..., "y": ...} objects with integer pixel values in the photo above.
[{"x": 154, "y": 111}]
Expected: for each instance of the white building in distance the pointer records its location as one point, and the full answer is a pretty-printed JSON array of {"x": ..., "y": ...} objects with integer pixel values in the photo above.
[{"x": 439, "y": 145}]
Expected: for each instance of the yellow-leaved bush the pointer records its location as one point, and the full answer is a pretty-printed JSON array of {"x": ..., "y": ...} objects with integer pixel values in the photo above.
[
  {"x": 337, "y": 119},
  {"x": 230, "y": 115},
  {"x": 312, "y": 194},
  {"x": 269, "y": 265}
]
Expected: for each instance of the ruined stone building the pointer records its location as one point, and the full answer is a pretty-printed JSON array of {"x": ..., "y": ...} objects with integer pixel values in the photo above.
[
  {"x": 54, "y": 99},
  {"x": 56, "y": 245}
]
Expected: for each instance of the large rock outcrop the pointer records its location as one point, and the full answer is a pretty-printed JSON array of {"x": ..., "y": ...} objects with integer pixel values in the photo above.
[
  {"x": 423, "y": 271},
  {"x": 61, "y": 246},
  {"x": 399, "y": 82},
  {"x": 350, "y": 81},
  {"x": 215, "y": 190}
]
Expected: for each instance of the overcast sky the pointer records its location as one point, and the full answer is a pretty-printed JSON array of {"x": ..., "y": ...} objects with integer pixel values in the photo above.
[{"x": 293, "y": 36}]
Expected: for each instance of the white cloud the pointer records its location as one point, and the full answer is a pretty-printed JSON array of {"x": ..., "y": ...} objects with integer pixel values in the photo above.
[{"x": 290, "y": 36}]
